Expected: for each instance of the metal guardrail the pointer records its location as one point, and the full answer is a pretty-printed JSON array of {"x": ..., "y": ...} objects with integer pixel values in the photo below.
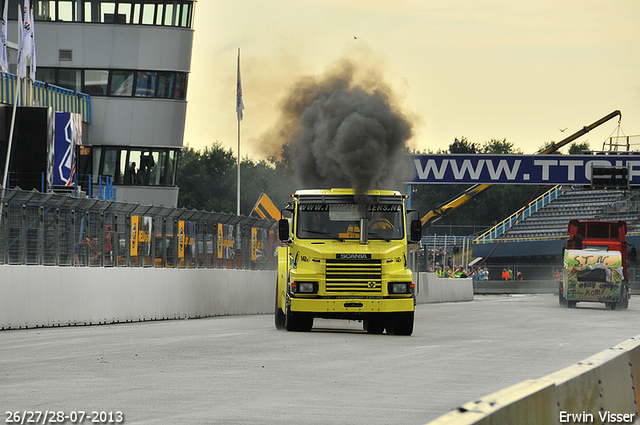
[
  {"x": 443, "y": 240},
  {"x": 61, "y": 230}
]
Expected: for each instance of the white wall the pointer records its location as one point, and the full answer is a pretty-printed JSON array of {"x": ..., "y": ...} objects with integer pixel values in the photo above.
[
  {"x": 114, "y": 46},
  {"x": 148, "y": 195},
  {"x": 137, "y": 122},
  {"x": 432, "y": 289},
  {"x": 39, "y": 296}
]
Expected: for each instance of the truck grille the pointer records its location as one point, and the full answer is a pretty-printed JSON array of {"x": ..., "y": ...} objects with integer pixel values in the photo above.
[{"x": 354, "y": 275}]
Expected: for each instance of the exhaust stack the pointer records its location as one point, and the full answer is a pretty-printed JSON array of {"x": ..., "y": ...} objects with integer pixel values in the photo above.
[{"x": 364, "y": 230}]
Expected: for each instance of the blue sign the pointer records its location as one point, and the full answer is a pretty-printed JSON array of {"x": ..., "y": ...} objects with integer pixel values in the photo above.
[
  {"x": 518, "y": 169},
  {"x": 68, "y": 135}
]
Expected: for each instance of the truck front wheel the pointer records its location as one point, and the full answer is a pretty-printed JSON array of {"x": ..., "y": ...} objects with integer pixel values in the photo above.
[
  {"x": 279, "y": 315},
  {"x": 298, "y": 322},
  {"x": 401, "y": 324},
  {"x": 374, "y": 324}
]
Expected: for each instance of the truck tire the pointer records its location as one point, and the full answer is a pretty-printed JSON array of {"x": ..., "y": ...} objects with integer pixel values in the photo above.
[
  {"x": 571, "y": 304},
  {"x": 401, "y": 324},
  {"x": 624, "y": 298},
  {"x": 279, "y": 315},
  {"x": 297, "y": 322},
  {"x": 374, "y": 324},
  {"x": 561, "y": 299}
]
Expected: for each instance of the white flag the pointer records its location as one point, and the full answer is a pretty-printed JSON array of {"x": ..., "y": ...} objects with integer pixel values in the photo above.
[
  {"x": 239, "y": 103},
  {"x": 4, "y": 58},
  {"x": 24, "y": 50},
  {"x": 32, "y": 74}
]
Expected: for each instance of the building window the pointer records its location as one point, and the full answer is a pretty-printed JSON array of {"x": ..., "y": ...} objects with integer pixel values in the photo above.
[
  {"x": 121, "y": 83},
  {"x": 138, "y": 166},
  {"x": 48, "y": 75},
  {"x": 146, "y": 84},
  {"x": 95, "y": 82},
  {"x": 43, "y": 11},
  {"x": 174, "y": 13},
  {"x": 69, "y": 78},
  {"x": 148, "y": 14},
  {"x": 67, "y": 10}
]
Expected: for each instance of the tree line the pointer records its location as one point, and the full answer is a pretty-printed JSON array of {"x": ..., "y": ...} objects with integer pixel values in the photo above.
[{"x": 208, "y": 181}]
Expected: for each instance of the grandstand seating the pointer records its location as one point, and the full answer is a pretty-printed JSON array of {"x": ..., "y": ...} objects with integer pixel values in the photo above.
[
  {"x": 550, "y": 221},
  {"x": 535, "y": 236}
]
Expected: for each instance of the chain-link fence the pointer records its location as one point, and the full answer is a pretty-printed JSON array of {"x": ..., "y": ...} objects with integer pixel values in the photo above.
[{"x": 61, "y": 230}]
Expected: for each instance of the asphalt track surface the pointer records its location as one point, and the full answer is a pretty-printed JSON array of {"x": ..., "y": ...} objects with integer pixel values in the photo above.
[{"x": 241, "y": 370}]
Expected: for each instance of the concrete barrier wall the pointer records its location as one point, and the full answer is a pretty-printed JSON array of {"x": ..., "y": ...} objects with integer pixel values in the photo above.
[
  {"x": 515, "y": 287},
  {"x": 37, "y": 296},
  {"x": 526, "y": 287},
  {"x": 432, "y": 289},
  {"x": 605, "y": 388},
  {"x": 40, "y": 296}
]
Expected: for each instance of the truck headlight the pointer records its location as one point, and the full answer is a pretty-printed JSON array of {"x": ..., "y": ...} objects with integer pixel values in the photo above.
[
  {"x": 399, "y": 287},
  {"x": 305, "y": 287}
]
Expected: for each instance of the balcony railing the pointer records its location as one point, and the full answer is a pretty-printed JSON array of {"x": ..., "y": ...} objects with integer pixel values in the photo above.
[
  {"x": 523, "y": 213},
  {"x": 38, "y": 93}
]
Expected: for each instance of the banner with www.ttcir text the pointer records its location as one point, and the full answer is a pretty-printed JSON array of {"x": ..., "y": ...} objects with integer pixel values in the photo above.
[{"x": 517, "y": 169}]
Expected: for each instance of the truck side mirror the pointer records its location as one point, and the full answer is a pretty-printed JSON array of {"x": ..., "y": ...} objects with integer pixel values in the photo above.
[
  {"x": 415, "y": 233},
  {"x": 283, "y": 229}
]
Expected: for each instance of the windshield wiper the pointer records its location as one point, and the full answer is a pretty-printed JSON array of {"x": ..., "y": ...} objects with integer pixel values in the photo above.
[
  {"x": 375, "y": 235},
  {"x": 321, "y": 233}
]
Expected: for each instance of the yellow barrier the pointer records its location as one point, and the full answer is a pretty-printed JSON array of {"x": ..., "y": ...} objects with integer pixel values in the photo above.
[{"x": 597, "y": 390}]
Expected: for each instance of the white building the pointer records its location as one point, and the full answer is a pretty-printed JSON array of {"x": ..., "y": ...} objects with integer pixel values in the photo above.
[{"x": 133, "y": 58}]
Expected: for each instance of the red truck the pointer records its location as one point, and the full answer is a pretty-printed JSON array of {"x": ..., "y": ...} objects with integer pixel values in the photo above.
[{"x": 595, "y": 265}]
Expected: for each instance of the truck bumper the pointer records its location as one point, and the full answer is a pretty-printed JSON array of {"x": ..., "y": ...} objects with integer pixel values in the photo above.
[{"x": 355, "y": 305}]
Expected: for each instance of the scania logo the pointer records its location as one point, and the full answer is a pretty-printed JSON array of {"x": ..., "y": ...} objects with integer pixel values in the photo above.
[
  {"x": 372, "y": 284},
  {"x": 351, "y": 256}
]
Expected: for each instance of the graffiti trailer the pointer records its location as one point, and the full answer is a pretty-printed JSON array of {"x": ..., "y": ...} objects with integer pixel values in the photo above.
[{"x": 595, "y": 265}]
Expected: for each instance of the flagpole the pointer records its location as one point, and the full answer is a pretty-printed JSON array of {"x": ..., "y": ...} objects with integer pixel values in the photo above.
[
  {"x": 23, "y": 53},
  {"x": 239, "y": 108},
  {"x": 238, "y": 168},
  {"x": 16, "y": 99}
]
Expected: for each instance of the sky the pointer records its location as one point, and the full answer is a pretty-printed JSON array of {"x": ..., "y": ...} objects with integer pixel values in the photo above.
[{"x": 495, "y": 69}]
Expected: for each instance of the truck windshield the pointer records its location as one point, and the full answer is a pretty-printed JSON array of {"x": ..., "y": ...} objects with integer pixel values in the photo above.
[{"x": 342, "y": 221}]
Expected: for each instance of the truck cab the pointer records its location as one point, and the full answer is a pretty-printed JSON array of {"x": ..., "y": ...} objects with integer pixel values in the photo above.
[{"x": 345, "y": 257}]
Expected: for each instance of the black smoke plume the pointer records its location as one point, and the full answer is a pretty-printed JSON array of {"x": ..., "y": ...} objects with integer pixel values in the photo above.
[{"x": 341, "y": 130}]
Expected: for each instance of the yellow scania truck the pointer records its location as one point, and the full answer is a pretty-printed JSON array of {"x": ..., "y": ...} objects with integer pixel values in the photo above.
[{"x": 345, "y": 257}]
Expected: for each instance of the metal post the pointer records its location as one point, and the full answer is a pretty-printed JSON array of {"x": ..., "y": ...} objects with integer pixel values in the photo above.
[
  {"x": 56, "y": 238},
  {"x": 23, "y": 236},
  {"x": 101, "y": 240},
  {"x": 444, "y": 253},
  {"x": 435, "y": 237},
  {"x": 127, "y": 239},
  {"x": 164, "y": 242},
  {"x": 115, "y": 241},
  {"x": 40, "y": 249}
]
